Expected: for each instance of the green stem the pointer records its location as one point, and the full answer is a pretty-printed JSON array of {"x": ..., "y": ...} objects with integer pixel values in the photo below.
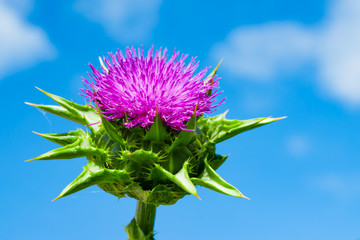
[{"x": 145, "y": 217}]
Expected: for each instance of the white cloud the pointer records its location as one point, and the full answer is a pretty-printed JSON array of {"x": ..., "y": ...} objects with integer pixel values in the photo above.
[
  {"x": 22, "y": 44},
  {"x": 125, "y": 21},
  {"x": 264, "y": 51},
  {"x": 23, "y": 7}
]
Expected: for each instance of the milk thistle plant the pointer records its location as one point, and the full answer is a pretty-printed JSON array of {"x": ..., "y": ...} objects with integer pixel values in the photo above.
[{"x": 147, "y": 136}]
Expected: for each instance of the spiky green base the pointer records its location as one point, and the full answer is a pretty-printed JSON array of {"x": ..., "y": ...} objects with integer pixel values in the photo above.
[{"x": 155, "y": 166}]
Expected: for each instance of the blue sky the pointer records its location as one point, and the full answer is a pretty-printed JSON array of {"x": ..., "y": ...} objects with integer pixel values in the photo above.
[{"x": 299, "y": 59}]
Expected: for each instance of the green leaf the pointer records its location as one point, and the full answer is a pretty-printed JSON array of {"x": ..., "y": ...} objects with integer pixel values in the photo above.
[
  {"x": 134, "y": 231},
  {"x": 143, "y": 157},
  {"x": 59, "y": 111},
  {"x": 134, "y": 190},
  {"x": 62, "y": 138},
  {"x": 81, "y": 148},
  {"x": 157, "y": 131},
  {"x": 114, "y": 189},
  {"x": 218, "y": 128},
  {"x": 217, "y": 161},
  {"x": 141, "y": 161},
  {"x": 186, "y": 137},
  {"x": 157, "y": 176},
  {"x": 210, "y": 179},
  {"x": 181, "y": 179},
  {"x": 81, "y": 114},
  {"x": 111, "y": 130},
  {"x": 68, "y": 105},
  {"x": 184, "y": 180},
  {"x": 161, "y": 194},
  {"x": 92, "y": 175},
  {"x": 177, "y": 157}
]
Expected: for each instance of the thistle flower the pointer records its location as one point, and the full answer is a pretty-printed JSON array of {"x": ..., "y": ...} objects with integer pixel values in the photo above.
[
  {"x": 147, "y": 137},
  {"x": 135, "y": 85}
]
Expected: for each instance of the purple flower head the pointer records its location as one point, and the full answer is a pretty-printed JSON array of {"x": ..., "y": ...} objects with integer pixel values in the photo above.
[{"x": 134, "y": 86}]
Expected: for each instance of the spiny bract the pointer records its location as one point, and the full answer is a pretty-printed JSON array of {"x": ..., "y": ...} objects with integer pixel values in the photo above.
[{"x": 157, "y": 163}]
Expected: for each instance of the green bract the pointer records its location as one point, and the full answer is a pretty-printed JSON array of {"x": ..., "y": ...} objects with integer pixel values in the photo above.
[{"x": 156, "y": 166}]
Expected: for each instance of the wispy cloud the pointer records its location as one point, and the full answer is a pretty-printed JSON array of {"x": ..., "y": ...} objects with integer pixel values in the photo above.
[
  {"x": 22, "y": 44},
  {"x": 262, "y": 52},
  {"x": 125, "y": 21},
  {"x": 344, "y": 187}
]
